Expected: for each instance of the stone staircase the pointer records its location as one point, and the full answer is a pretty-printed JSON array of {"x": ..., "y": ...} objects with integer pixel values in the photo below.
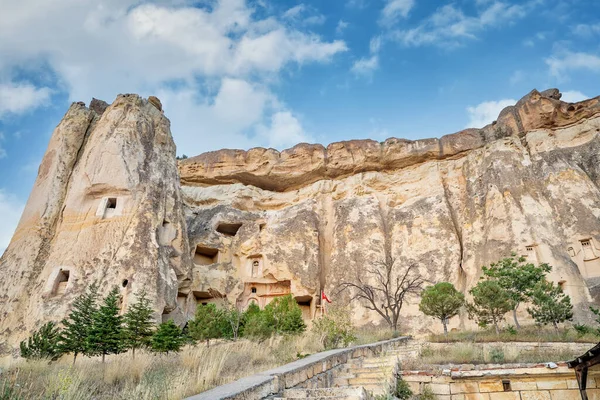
[{"x": 361, "y": 378}]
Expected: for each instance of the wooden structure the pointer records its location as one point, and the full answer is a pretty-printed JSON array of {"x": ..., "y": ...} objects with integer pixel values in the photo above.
[{"x": 582, "y": 365}]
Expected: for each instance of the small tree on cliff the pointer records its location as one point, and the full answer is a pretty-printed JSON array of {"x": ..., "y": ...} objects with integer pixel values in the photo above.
[
  {"x": 78, "y": 323},
  {"x": 441, "y": 301},
  {"x": 518, "y": 278},
  {"x": 490, "y": 302},
  {"x": 139, "y": 324},
  {"x": 384, "y": 289},
  {"x": 106, "y": 334},
  {"x": 550, "y": 305}
]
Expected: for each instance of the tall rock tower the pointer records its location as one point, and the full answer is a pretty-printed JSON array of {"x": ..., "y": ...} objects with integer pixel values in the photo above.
[{"x": 106, "y": 207}]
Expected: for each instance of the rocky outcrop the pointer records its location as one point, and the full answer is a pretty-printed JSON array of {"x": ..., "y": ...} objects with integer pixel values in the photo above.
[
  {"x": 106, "y": 207},
  {"x": 528, "y": 183},
  {"x": 306, "y": 163},
  {"x": 249, "y": 226}
]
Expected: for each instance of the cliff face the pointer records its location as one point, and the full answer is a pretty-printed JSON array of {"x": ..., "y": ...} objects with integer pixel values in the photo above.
[
  {"x": 248, "y": 226},
  {"x": 106, "y": 207},
  {"x": 318, "y": 216}
]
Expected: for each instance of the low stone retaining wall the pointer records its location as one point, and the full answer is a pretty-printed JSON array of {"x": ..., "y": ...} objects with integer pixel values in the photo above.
[
  {"x": 315, "y": 367},
  {"x": 533, "y": 383}
]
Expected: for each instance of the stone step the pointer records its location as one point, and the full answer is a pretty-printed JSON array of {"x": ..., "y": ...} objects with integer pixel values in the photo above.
[
  {"x": 368, "y": 370},
  {"x": 322, "y": 392},
  {"x": 365, "y": 381},
  {"x": 377, "y": 374}
]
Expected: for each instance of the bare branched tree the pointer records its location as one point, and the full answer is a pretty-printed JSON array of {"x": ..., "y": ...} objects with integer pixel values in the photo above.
[{"x": 387, "y": 294}]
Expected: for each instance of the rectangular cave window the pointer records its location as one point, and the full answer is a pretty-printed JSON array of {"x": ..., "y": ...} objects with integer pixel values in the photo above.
[
  {"x": 253, "y": 290},
  {"x": 228, "y": 229},
  {"x": 111, "y": 203},
  {"x": 506, "y": 385},
  {"x": 529, "y": 248},
  {"x": 585, "y": 243},
  {"x": 206, "y": 255},
  {"x": 60, "y": 284}
]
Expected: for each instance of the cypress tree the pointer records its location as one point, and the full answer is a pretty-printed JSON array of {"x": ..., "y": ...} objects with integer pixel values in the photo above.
[
  {"x": 139, "y": 324},
  {"x": 106, "y": 333},
  {"x": 168, "y": 337},
  {"x": 78, "y": 323}
]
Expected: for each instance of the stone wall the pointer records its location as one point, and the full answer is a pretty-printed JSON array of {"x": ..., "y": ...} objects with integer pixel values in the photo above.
[
  {"x": 533, "y": 383},
  {"x": 313, "y": 371}
]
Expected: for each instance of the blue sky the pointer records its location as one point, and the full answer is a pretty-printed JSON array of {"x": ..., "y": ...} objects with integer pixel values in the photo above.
[{"x": 240, "y": 74}]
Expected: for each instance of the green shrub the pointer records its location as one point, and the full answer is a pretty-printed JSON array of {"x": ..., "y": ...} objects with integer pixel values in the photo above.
[
  {"x": 582, "y": 329},
  {"x": 497, "y": 355},
  {"x": 285, "y": 314},
  {"x": 427, "y": 394},
  {"x": 209, "y": 323},
  {"x": 282, "y": 315},
  {"x": 401, "y": 390},
  {"x": 335, "y": 329},
  {"x": 42, "y": 344},
  {"x": 511, "y": 330}
]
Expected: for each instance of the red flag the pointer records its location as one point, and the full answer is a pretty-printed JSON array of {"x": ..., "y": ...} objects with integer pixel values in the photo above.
[{"x": 324, "y": 297}]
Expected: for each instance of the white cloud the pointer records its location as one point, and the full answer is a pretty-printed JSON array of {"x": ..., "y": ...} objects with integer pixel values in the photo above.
[
  {"x": 586, "y": 30},
  {"x": 304, "y": 14},
  {"x": 10, "y": 213},
  {"x": 201, "y": 60},
  {"x": 341, "y": 27},
  {"x": 573, "y": 96},
  {"x": 18, "y": 98},
  {"x": 365, "y": 65},
  {"x": 486, "y": 112},
  {"x": 449, "y": 26},
  {"x": 2, "y": 150},
  {"x": 394, "y": 10},
  {"x": 375, "y": 45},
  {"x": 564, "y": 61},
  {"x": 285, "y": 131}
]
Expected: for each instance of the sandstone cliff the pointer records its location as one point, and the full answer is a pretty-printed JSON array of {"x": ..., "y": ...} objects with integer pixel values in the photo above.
[
  {"x": 106, "y": 206},
  {"x": 248, "y": 226},
  {"x": 317, "y": 216}
]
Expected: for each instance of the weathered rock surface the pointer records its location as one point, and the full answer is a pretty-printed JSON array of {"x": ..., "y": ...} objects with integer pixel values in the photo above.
[
  {"x": 106, "y": 207},
  {"x": 527, "y": 183},
  {"x": 252, "y": 225}
]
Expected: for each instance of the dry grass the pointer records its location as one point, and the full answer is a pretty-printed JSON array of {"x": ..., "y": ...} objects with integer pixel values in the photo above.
[
  {"x": 525, "y": 334},
  {"x": 477, "y": 353},
  {"x": 174, "y": 376},
  {"x": 366, "y": 335}
]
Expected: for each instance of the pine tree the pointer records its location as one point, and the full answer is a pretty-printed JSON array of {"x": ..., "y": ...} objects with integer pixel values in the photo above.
[
  {"x": 550, "y": 305},
  {"x": 208, "y": 323},
  {"x": 106, "y": 334},
  {"x": 168, "y": 337},
  {"x": 441, "y": 301},
  {"x": 138, "y": 323},
  {"x": 43, "y": 343},
  {"x": 490, "y": 302},
  {"x": 78, "y": 323},
  {"x": 518, "y": 277}
]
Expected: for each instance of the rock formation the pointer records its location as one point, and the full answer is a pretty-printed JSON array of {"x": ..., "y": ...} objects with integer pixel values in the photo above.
[
  {"x": 106, "y": 206},
  {"x": 248, "y": 226}
]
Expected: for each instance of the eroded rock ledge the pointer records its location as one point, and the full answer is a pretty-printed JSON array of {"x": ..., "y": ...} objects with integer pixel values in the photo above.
[{"x": 307, "y": 163}]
